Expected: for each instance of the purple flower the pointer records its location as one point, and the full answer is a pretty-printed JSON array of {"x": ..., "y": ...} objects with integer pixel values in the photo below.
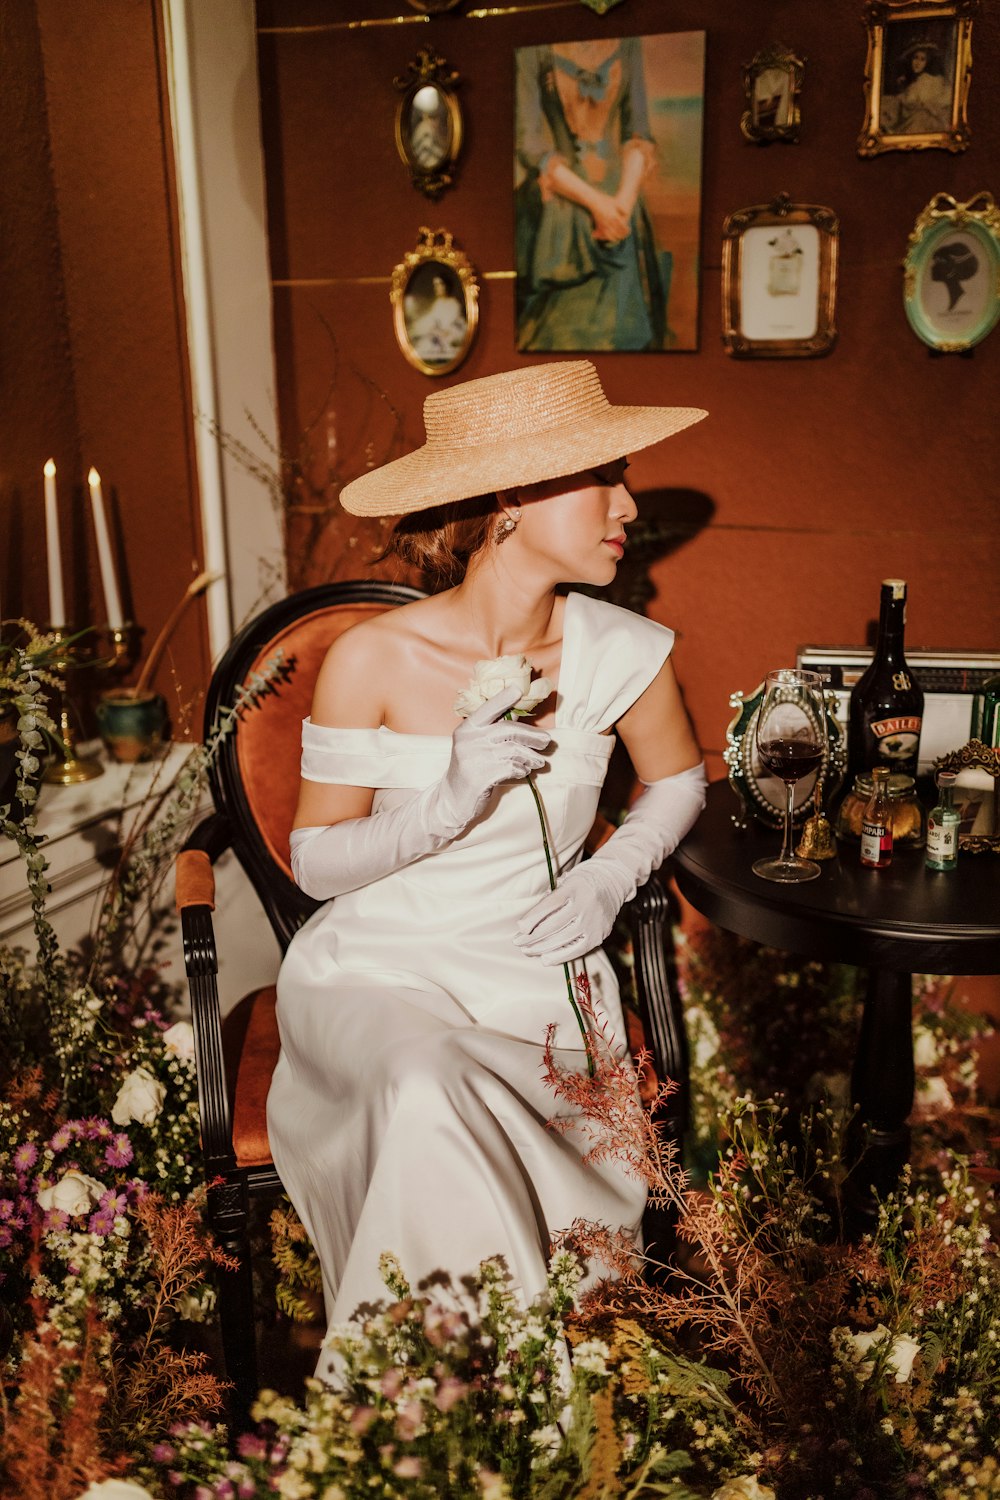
[
  {"x": 6, "y": 1237},
  {"x": 249, "y": 1446},
  {"x": 102, "y": 1222},
  {"x": 25, "y": 1157},
  {"x": 119, "y": 1153},
  {"x": 62, "y": 1138},
  {"x": 6, "y": 1209},
  {"x": 163, "y": 1453}
]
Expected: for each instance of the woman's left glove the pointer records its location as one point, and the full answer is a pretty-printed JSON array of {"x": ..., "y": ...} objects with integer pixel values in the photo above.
[{"x": 579, "y": 914}]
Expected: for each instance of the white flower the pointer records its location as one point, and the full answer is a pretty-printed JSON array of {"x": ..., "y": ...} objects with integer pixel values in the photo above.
[
  {"x": 746, "y": 1487},
  {"x": 140, "y": 1098},
  {"x": 855, "y": 1346},
  {"x": 703, "y": 1034},
  {"x": 491, "y": 677},
  {"x": 74, "y": 1193},
  {"x": 934, "y": 1096},
  {"x": 115, "y": 1489},
  {"x": 179, "y": 1039},
  {"x": 925, "y": 1047},
  {"x": 901, "y": 1356}
]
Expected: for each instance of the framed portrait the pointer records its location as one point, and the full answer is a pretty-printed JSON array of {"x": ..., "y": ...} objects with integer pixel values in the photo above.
[
  {"x": 429, "y": 122},
  {"x": 761, "y": 794},
  {"x": 435, "y": 304},
  {"x": 917, "y": 75},
  {"x": 779, "y": 280},
  {"x": 607, "y": 192},
  {"x": 773, "y": 82},
  {"x": 951, "y": 275}
]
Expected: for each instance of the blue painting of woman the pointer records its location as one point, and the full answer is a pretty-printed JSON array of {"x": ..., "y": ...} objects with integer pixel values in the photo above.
[{"x": 590, "y": 274}]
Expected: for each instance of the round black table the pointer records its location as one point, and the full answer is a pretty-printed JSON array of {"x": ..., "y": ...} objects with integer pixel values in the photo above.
[{"x": 895, "y": 922}]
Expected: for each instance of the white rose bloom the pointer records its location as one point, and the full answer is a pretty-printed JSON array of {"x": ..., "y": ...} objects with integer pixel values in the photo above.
[
  {"x": 901, "y": 1356},
  {"x": 934, "y": 1095},
  {"x": 140, "y": 1098},
  {"x": 74, "y": 1193},
  {"x": 491, "y": 677},
  {"x": 179, "y": 1039},
  {"x": 115, "y": 1489},
  {"x": 925, "y": 1048},
  {"x": 746, "y": 1487}
]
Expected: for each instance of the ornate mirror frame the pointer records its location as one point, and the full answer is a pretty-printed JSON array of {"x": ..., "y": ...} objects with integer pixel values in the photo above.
[
  {"x": 780, "y": 72},
  {"x": 429, "y": 122},
  {"x": 435, "y": 304}
]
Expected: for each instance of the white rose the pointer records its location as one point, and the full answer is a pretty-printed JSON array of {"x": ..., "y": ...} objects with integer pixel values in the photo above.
[
  {"x": 901, "y": 1356},
  {"x": 925, "y": 1048},
  {"x": 115, "y": 1489},
  {"x": 492, "y": 677},
  {"x": 934, "y": 1096},
  {"x": 746, "y": 1487},
  {"x": 140, "y": 1098},
  {"x": 179, "y": 1039},
  {"x": 74, "y": 1193}
]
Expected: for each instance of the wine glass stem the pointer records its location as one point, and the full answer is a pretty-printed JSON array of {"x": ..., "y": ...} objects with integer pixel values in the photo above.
[{"x": 787, "y": 857}]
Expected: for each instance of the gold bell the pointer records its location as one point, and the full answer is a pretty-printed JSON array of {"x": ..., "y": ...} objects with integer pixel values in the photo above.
[{"x": 817, "y": 841}]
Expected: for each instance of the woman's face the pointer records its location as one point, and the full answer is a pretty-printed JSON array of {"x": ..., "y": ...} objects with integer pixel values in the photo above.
[
  {"x": 574, "y": 527},
  {"x": 918, "y": 62}
]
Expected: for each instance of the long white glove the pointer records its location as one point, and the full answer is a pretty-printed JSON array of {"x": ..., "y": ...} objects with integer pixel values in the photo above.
[
  {"x": 328, "y": 861},
  {"x": 578, "y": 915}
]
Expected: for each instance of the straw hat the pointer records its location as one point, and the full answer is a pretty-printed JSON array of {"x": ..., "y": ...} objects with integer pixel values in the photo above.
[{"x": 514, "y": 428}]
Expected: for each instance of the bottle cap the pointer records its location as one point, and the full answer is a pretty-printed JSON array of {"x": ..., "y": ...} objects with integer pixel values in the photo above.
[
  {"x": 897, "y": 585},
  {"x": 881, "y": 774},
  {"x": 946, "y": 779}
]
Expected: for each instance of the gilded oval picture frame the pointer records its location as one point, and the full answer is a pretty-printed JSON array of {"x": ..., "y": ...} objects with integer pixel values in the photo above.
[
  {"x": 435, "y": 304},
  {"x": 760, "y": 794},
  {"x": 429, "y": 123},
  {"x": 951, "y": 275}
]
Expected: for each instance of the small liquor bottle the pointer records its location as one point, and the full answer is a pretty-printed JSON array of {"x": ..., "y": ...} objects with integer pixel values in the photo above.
[
  {"x": 942, "y": 827},
  {"x": 876, "y": 826},
  {"x": 887, "y": 705}
]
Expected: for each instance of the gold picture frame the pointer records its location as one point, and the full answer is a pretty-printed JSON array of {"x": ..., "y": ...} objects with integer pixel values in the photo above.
[
  {"x": 951, "y": 275},
  {"x": 772, "y": 82},
  {"x": 917, "y": 75},
  {"x": 779, "y": 280},
  {"x": 429, "y": 125},
  {"x": 435, "y": 304},
  {"x": 977, "y": 793}
]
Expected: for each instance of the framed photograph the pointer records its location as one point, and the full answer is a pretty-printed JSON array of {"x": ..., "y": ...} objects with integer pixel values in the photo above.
[
  {"x": 977, "y": 795},
  {"x": 773, "y": 82},
  {"x": 607, "y": 192},
  {"x": 761, "y": 794},
  {"x": 779, "y": 280},
  {"x": 435, "y": 304},
  {"x": 429, "y": 122},
  {"x": 917, "y": 75},
  {"x": 951, "y": 275}
]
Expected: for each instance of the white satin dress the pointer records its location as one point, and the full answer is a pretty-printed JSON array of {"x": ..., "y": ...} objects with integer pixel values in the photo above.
[{"x": 408, "y": 1111}]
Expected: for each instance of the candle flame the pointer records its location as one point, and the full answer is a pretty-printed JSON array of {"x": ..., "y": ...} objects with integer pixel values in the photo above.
[
  {"x": 49, "y": 468},
  {"x": 93, "y": 477}
]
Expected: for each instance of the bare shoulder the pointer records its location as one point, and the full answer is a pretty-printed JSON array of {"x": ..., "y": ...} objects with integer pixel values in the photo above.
[{"x": 358, "y": 671}]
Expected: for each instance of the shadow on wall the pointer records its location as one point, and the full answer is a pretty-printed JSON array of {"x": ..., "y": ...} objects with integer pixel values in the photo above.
[{"x": 668, "y": 519}]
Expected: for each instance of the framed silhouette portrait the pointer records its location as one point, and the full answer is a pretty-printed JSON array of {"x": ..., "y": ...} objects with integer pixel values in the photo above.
[
  {"x": 917, "y": 75},
  {"x": 951, "y": 275}
]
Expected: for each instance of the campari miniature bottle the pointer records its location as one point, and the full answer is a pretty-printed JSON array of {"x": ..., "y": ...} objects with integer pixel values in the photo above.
[
  {"x": 942, "y": 827},
  {"x": 876, "y": 825}
]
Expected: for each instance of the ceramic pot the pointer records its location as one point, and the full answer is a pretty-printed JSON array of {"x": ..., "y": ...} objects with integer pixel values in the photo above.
[{"x": 133, "y": 725}]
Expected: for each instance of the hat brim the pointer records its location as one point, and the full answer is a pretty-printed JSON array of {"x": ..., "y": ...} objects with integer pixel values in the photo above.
[{"x": 436, "y": 474}]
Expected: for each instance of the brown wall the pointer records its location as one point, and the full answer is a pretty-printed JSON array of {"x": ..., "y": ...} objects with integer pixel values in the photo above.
[
  {"x": 93, "y": 367},
  {"x": 819, "y": 477}
]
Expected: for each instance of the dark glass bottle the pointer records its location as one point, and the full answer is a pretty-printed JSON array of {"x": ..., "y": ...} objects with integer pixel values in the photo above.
[{"x": 887, "y": 703}]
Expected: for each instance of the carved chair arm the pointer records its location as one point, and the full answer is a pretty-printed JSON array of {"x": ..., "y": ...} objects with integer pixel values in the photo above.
[
  {"x": 649, "y": 914},
  {"x": 195, "y": 902}
]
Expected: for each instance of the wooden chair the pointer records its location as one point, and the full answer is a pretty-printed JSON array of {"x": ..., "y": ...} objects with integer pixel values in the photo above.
[{"x": 254, "y": 783}]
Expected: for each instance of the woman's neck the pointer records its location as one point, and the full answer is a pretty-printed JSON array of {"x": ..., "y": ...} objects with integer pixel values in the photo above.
[{"x": 505, "y": 613}]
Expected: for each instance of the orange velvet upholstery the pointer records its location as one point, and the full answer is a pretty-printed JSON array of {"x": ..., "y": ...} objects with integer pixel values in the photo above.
[
  {"x": 258, "y": 1059},
  {"x": 195, "y": 879},
  {"x": 269, "y": 742}
]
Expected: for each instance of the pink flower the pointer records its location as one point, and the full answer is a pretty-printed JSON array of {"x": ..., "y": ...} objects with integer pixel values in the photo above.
[
  {"x": 391, "y": 1383},
  {"x": 119, "y": 1152},
  {"x": 249, "y": 1446},
  {"x": 409, "y": 1421},
  {"x": 25, "y": 1157},
  {"x": 362, "y": 1418},
  {"x": 409, "y": 1467},
  {"x": 62, "y": 1138},
  {"x": 449, "y": 1392}
]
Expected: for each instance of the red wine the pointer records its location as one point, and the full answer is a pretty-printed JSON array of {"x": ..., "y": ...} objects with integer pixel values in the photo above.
[
  {"x": 790, "y": 759},
  {"x": 887, "y": 704}
]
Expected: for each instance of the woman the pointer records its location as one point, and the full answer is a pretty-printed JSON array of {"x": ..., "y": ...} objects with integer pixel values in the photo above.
[
  {"x": 921, "y": 103},
  {"x": 408, "y": 1110},
  {"x": 589, "y": 273}
]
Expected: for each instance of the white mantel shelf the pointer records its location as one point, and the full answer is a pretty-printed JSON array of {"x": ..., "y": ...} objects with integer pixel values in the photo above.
[{"x": 83, "y": 828}]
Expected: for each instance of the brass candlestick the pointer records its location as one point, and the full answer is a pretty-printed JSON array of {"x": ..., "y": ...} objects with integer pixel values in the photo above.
[{"x": 77, "y": 653}]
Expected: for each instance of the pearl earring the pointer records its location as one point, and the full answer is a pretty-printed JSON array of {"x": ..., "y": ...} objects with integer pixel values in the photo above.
[{"x": 504, "y": 529}]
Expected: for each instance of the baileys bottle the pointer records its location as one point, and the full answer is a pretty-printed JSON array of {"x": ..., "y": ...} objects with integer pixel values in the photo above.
[{"x": 887, "y": 703}]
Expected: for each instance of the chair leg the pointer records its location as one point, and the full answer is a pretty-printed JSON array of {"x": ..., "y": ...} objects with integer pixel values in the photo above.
[{"x": 229, "y": 1217}]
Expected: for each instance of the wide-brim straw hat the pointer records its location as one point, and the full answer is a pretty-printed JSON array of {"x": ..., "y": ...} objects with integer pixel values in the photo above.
[{"x": 514, "y": 428}]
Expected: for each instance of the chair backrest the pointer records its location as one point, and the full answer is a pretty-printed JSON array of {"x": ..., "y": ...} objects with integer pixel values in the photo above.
[{"x": 255, "y": 777}]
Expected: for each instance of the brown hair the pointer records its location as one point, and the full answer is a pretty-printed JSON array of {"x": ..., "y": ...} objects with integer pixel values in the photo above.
[{"x": 442, "y": 540}]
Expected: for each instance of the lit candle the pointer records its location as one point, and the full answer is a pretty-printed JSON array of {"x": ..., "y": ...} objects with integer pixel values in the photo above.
[
  {"x": 57, "y": 602},
  {"x": 112, "y": 599}
]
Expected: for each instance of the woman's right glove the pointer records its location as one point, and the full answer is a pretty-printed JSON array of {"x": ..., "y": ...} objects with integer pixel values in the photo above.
[{"x": 486, "y": 751}]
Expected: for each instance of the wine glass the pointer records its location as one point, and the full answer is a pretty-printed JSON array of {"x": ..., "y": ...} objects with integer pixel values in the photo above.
[{"x": 791, "y": 738}]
